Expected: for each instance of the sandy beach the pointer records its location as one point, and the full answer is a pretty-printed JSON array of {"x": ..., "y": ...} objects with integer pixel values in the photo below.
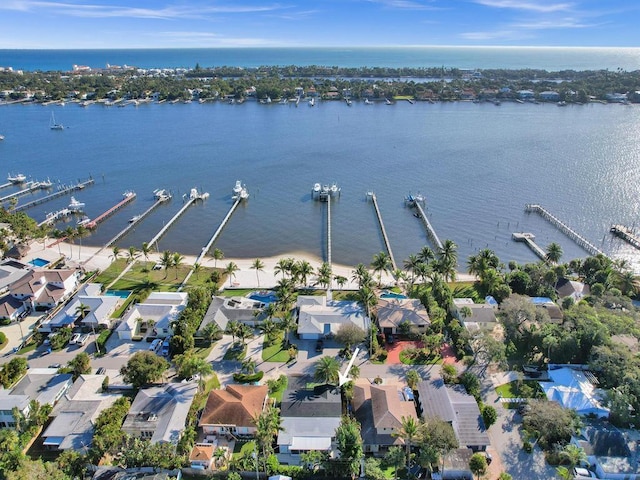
[{"x": 92, "y": 258}]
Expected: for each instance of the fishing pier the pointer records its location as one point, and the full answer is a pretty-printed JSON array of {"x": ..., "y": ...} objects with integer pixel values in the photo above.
[
  {"x": 138, "y": 218},
  {"x": 63, "y": 190},
  {"x": 128, "y": 198},
  {"x": 387, "y": 244},
  {"x": 626, "y": 234},
  {"x": 193, "y": 197},
  {"x": 573, "y": 235},
  {"x": 529, "y": 238},
  {"x": 416, "y": 201}
]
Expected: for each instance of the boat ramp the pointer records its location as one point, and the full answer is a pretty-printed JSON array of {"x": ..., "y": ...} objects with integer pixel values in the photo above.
[
  {"x": 194, "y": 195},
  {"x": 417, "y": 201},
  {"x": 573, "y": 235},
  {"x": 160, "y": 196},
  {"x": 529, "y": 239},
  {"x": 62, "y": 190},
  {"x": 374, "y": 200},
  {"x": 128, "y": 197},
  {"x": 626, "y": 234}
]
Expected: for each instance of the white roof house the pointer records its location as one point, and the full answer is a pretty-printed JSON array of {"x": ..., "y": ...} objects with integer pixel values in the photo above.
[
  {"x": 161, "y": 307},
  {"x": 318, "y": 318},
  {"x": 573, "y": 389}
]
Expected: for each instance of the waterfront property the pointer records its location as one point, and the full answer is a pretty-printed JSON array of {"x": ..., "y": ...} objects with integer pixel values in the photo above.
[
  {"x": 394, "y": 313},
  {"x": 161, "y": 308},
  {"x": 223, "y": 310},
  {"x": 480, "y": 316},
  {"x": 575, "y": 389},
  {"x": 319, "y": 317},
  {"x": 42, "y": 289}
]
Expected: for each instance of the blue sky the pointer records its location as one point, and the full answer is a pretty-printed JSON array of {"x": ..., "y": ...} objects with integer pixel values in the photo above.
[{"x": 299, "y": 23}]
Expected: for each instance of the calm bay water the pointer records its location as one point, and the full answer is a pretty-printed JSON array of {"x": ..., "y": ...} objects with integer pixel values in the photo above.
[
  {"x": 546, "y": 58},
  {"x": 477, "y": 165}
]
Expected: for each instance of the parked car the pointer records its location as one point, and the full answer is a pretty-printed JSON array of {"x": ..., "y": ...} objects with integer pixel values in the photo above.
[
  {"x": 55, "y": 365},
  {"x": 83, "y": 339},
  {"x": 319, "y": 345},
  {"x": 580, "y": 472},
  {"x": 75, "y": 338},
  {"x": 155, "y": 345}
]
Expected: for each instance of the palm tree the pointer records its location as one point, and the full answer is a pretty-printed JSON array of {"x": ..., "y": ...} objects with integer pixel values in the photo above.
[
  {"x": 327, "y": 369},
  {"x": 325, "y": 274},
  {"x": 244, "y": 332},
  {"x": 233, "y": 327},
  {"x": 231, "y": 270},
  {"x": 410, "y": 265},
  {"x": 304, "y": 270},
  {"x": 132, "y": 253},
  {"x": 564, "y": 473},
  {"x": 268, "y": 425},
  {"x": 284, "y": 266},
  {"x": 249, "y": 366},
  {"x": 554, "y": 252},
  {"x": 360, "y": 275},
  {"x": 269, "y": 328},
  {"x": 381, "y": 263},
  {"x": 166, "y": 260},
  {"x": 211, "y": 331},
  {"x": 426, "y": 255},
  {"x": 176, "y": 261},
  {"x": 574, "y": 455},
  {"x": 81, "y": 232},
  {"x": 448, "y": 260},
  {"x": 115, "y": 252},
  {"x": 145, "y": 250},
  {"x": 82, "y": 310},
  {"x": 196, "y": 269},
  {"x": 70, "y": 233},
  {"x": 409, "y": 431},
  {"x": 413, "y": 377},
  {"x": 258, "y": 266},
  {"x": 340, "y": 280},
  {"x": 217, "y": 255},
  {"x": 287, "y": 323}
]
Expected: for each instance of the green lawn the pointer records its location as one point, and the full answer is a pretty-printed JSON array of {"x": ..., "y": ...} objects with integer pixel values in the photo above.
[
  {"x": 277, "y": 395},
  {"x": 510, "y": 390},
  {"x": 413, "y": 356},
  {"x": 274, "y": 351}
]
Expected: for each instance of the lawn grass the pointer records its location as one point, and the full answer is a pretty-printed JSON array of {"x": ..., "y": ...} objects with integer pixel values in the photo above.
[
  {"x": 235, "y": 354},
  {"x": 274, "y": 352},
  {"x": 235, "y": 292},
  {"x": 510, "y": 390},
  {"x": 277, "y": 394},
  {"x": 420, "y": 360},
  {"x": 351, "y": 295},
  {"x": 203, "y": 352}
]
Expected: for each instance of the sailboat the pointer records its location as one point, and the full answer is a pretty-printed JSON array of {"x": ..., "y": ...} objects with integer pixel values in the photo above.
[{"x": 53, "y": 125}]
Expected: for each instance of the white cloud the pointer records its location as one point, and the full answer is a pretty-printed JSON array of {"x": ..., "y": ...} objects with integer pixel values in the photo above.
[
  {"x": 212, "y": 39},
  {"x": 405, "y": 4},
  {"x": 535, "y": 6}
]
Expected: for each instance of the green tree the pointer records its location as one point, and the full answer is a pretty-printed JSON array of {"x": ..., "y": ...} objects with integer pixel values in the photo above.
[
  {"x": 176, "y": 261},
  {"x": 230, "y": 270},
  {"x": 146, "y": 250},
  {"x": 554, "y": 252},
  {"x": 349, "y": 334},
  {"x": 80, "y": 365},
  {"x": 327, "y": 369},
  {"x": 478, "y": 464},
  {"x": 409, "y": 432},
  {"x": 489, "y": 415},
  {"x": 573, "y": 455},
  {"x": 166, "y": 260},
  {"x": 349, "y": 443},
  {"x": 188, "y": 364},
  {"x": 395, "y": 458},
  {"x": 413, "y": 378},
  {"x": 381, "y": 263},
  {"x": 258, "y": 266},
  {"x": 552, "y": 423},
  {"x": 143, "y": 368},
  {"x": 132, "y": 254},
  {"x": 217, "y": 255}
]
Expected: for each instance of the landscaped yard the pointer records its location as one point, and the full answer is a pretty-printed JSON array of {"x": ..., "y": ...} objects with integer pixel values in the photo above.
[
  {"x": 234, "y": 353},
  {"x": 274, "y": 352},
  {"x": 520, "y": 389}
]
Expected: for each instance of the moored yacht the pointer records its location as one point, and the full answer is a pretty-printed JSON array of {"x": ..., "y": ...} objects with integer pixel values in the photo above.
[
  {"x": 75, "y": 205},
  {"x": 18, "y": 178}
]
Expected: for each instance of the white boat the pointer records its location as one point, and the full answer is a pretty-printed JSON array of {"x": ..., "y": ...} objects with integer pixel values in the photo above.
[
  {"x": 161, "y": 194},
  {"x": 317, "y": 187},
  {"x": 312, "y": 102},
  {"x": 368, "y": 102},
  {"x": 53, "y": 125},
  {"x": 83, "y": 221},
  {"x": 75, "y": 205},
  {"x": 387, "y": 101},
  {"x": 237, "y": 188},
  {"x": 334, "y": 188},
  {"x": 45, "y": 184},
  {"x": 135, "y": 218},
  {"x": 348, "y": 102},
  {"x": 15, "y": 179},
  {"x": 1, "y": 137},
  {"x": 244, "y": 194}
]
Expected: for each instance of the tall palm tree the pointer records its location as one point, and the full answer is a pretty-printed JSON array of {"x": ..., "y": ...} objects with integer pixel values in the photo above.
[
  {"x": 409, "y": 431},
  {"x": 340, "y": 280},
  {"x": 166, "y": 260},
  {"x": 410, "y": 265},
  {"x": 217, "y": 255},
  {"x": 81, "y": 232},
  {"x": 115, "y": 252},
  {"x": 426, "y": 255},
  {"x": 231, "y": 270},
  {"x": 327, "y": 369},
  {"x": 82, "y": 310},
  {"x": 448, "y": 260},
  {"x": 554, "y": 252},
  {"x": 196, "y": 269},
  {"x": 360, "y": 274},
  {"x": 132, "y": 254},
  {"x": 233, "y": 327},
  {"x": 258, "y": 266},
  {"x": 70, "y": 233},
  {"x": 304, "y": 270},
  {"x": 146, "y": 250},
  {"x": 284, "y": 266},
  {"x": 325, "y": 274},
  {"x": 381, "y": 263},
  {"x": 176, "y": 260},
  {"x": 268, "y": 424},
  {"x": 574, "y": 455},
  {"x": 287, "y": 323},
  {"x": 269, "y": 328}
]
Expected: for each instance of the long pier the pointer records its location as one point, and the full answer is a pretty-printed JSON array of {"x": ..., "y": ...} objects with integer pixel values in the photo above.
[
  {"x": 382, "y": 229},
  {"x": 626, "y": 234},
  {"x": 191, "y": 200},
  {"x": 6, "y": 185},
  {"x": 431, "y": 232},
  {"x": 529, "y": 238},
  {"x": 128, "y": 197},
  {"x": 135, "y": 222},
  {"x": 31, "y": 187},
  {"x": 59, "y": 193},
  {"x": 329, "y": 231},
  {"x": 573, "y": 235}
]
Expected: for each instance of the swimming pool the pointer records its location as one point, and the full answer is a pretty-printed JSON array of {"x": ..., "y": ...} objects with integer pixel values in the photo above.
[
  {"x": 388, "y": 294},
  {"x": 264, "y": 296},
  {"x": 39, "y": 262},
  {"x": 117, "y": 293}
]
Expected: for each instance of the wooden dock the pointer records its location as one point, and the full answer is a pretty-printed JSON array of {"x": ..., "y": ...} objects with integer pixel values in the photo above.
[
  {"x": 433, "y": 236},
  {"x": 31, "y": 187},
  {"x": 529, "y": 240},
  {"x": 626, "y": 234},
  {"x": 387, "y": 244},
  {"x": 132, "y": 225},
  {"x": 6, "y": 185},
  {"x": 189, "y": 201},
  {"x": 329, "y": 232},
  {"x": 55, "y": 216},
  {"x": 573, "y": 235},
  {"x": 62, "y": 191},
  {"x": 128, "y": 198}
]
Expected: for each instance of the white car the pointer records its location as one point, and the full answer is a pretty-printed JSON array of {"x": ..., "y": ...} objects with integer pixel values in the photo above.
[
  {"x": 74, "y": 339},
  {"x": 580, "y": 472},
  {"x": 83, "y": 339}
]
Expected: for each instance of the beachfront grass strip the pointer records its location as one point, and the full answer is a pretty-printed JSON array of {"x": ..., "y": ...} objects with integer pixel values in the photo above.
[
  {"x": 112, "y": 272},
  {"x": 273, "y": 351},
  {"x": 513, "y": 389},
  {"x": 139, "y": 277}
]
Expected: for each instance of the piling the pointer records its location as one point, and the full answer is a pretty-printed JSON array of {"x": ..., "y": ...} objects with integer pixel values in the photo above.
[
  {"x": 573, "y": 235},
  {"x": 382, "y": 229},
  {"x": 131, "y": 225}
]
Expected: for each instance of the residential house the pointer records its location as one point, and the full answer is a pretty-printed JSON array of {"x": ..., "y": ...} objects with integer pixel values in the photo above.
[
  {"x": 310, "y": 416},
  {"x": 549, "y": 306},
  {"x": 74, "y": 416},
  {"x": 612, "y": 453},
  {"x": 97, "y": 315},
  {"x": 392, "y": 313},
  {"x": 158, "y": 414},
  {"x": 223, "y": 310},
  {"x": 526, "y": 95},
  {"x": 42, "y": 289},
  {"x": 160, "y": 307},
  {"x": 572, "y": 288},
  {"x": 453, "y": 405},
  {"x": 201, "y": 456},
  {"x": 43, "y": 385},
  {"x": 481, "y": 316},
  {"x": 10, "y": 272},
  {"x": 233, "y": 410},
  {"x": 380, "y": 409},
  {"x": 319, "y": 317},
  {"x": 140, "y": 473},
  {"x": 574, "y": 388},
  {"x": 549, "y": 96}
]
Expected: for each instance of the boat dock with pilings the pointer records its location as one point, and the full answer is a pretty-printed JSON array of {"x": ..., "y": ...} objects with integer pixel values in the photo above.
[
  {"x": 53, "y": 217},
  {"x": 237, "y": 199},
  {"x": 529, "y": 238},
  {"x": 573, "y": 235},
  {"x": 128, "y": 197},
  {"x": 374, "y": 200},
  {"x": 62, "y": 190},
  {"x": 626, "y": 234},
  {"x": 416, "y": 201},
  {"x": 325, "y": 192},
  {"x": 161, "y": 196},
  {"x": 194, "y": 195}
]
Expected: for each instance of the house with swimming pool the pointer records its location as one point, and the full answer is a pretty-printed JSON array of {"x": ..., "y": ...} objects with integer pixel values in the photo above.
[
  {"x": 43, "y": 289},
  {"x": 154, "y": 316},
  {"x": 319, "y": 317}
]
